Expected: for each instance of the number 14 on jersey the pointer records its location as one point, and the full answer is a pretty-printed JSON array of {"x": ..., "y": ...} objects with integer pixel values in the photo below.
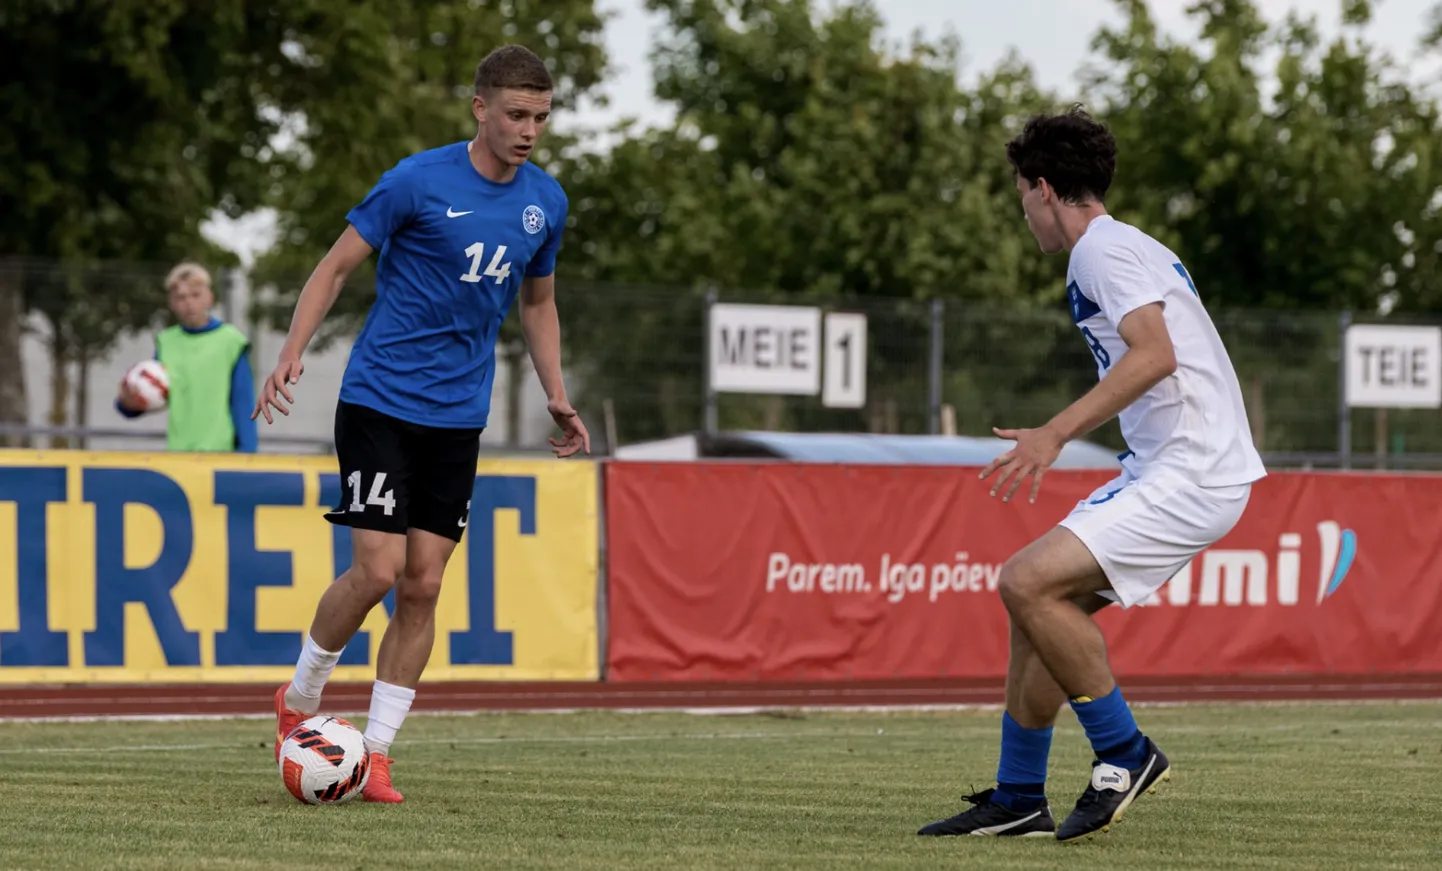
[{"x": 498, "y": 270}]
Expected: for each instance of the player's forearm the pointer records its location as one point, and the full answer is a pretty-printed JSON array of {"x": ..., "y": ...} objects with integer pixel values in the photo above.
[
  {"x": 541, "y": 326},
  {"x": 316, "y": 299},
  {"x": 1137, "y": 372}
]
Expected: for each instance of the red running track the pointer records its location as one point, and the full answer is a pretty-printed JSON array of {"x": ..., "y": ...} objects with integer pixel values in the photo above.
[{"x": 93, "y": 700}]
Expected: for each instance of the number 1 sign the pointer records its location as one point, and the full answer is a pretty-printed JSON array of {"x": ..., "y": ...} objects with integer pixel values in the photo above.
[{"x": 844, "y": 374}]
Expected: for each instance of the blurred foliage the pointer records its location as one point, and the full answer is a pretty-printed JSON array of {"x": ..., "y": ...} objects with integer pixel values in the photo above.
[
  {"x": 810, "y": 160},
  {"x": 1309, "y": 182},
  {"x": 132, "y": 121},
  {"x": 129, "y": 122},
  {"x": 126, "y": 124}
]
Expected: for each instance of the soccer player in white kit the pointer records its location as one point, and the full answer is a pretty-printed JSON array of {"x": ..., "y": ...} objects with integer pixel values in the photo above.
[{"x": 1185, "y": 482}]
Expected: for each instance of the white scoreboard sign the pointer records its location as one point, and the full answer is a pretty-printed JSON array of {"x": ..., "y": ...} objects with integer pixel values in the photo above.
[
  {"x": 1392, "y": 366},
  {"x": 765, "y": 349},
  {"x": 782, "y": 349}
]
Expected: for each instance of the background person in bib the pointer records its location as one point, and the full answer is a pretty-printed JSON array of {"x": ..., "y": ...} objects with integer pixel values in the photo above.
[{"x": 207, "y": 361}]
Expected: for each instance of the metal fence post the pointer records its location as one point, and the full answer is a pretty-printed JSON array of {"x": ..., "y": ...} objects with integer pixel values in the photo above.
[
  {"x": 708, "y": 421},
  {"x": 933, "y": 425},
  {"x": 1344, "y": 411}
]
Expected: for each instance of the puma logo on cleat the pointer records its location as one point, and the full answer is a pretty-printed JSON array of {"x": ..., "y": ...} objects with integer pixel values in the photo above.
[{"x": 1111, "y": 777}]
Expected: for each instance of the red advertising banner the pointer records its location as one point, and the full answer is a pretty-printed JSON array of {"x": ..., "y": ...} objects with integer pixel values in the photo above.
[{"x": 785, "y": 572}]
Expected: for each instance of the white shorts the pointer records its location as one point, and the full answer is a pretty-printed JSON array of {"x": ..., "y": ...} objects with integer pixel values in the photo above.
[{"x": 1143, "y": 531}]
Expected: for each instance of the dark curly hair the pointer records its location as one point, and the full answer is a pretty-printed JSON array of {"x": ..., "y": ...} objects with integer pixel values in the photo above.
[{"x": 1076, "y": 155}]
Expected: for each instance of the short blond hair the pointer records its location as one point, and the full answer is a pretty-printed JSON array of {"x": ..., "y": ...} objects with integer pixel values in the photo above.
[{"x": 187, "y": 272}]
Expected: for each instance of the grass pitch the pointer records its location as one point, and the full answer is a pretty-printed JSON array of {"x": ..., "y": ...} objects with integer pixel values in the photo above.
[{"x": 1284, "y": 786}]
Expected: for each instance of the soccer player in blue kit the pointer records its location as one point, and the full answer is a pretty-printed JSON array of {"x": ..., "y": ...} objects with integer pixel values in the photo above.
[{"x": 462, "y": 231}]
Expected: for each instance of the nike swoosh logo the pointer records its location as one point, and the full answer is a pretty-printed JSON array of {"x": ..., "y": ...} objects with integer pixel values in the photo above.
[{"x": 450, "y": 213}]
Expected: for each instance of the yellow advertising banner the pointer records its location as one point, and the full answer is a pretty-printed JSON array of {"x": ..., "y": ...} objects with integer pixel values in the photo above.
[{"x": 178, "y": 568}]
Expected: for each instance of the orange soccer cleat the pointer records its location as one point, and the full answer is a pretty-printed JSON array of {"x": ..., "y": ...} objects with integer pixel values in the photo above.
[
  {"x": 285, "y": 719},
  {"x": 379, "y": 788}
]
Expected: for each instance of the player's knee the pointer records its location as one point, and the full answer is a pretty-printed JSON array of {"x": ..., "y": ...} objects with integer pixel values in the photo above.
[
  {"x": 420, "y": 586},
  {"x": 376, "y": 563},
  {"x": 373, "y": 578},
  {"x": 1017, "y": 585}
]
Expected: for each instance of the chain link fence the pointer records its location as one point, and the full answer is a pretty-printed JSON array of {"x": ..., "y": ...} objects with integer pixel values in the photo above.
[
  {"x": 636, "y": 365},
  {"x": 963, "y": 368}
]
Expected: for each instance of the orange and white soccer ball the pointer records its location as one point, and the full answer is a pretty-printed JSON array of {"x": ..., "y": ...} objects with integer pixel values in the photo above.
[
  {"x": 149, "y": 381},
  {"x": 324, "y": 761}
]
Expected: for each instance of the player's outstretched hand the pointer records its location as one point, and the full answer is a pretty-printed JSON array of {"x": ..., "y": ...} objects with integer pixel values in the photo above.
[
  {"x": 573, "y": 431},
  {"x": 285, "y": 374},
  {"x": 1035, "y": 451}
]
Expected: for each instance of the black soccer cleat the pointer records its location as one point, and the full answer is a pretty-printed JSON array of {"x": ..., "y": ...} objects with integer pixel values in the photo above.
[
  {"x": 991, "y": 819},
  {"x": 1111, "y": 791}
]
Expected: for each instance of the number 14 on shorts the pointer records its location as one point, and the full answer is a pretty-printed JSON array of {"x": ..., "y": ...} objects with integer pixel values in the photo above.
[{"x": 385, "y": 500}]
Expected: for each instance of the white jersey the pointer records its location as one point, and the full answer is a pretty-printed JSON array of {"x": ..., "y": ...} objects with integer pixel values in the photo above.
[{"x": 1193, "y": 422}]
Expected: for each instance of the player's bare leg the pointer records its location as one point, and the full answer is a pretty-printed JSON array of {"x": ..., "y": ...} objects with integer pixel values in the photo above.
[
  {"x": 406, "y": 646},
  {"x": 376, "y": 562},
  {"x": 1040, "y": 587},
  {"x": 1018, "y": 807},
  {"x": 1033, "y": 697},
  {"x": 405, "y": 649}
]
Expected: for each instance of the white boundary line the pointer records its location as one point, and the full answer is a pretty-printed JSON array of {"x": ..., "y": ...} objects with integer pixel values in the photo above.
[
  {"x": 714, "y": 711},
  {"x": 519, "y": 739},
  {"x": 721, "y": 711},
  {"x": 749, "y": 710},
  {"x": 977, "y": 730}
]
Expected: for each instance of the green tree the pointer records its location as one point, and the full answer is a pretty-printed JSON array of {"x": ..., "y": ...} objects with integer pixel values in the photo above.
[
  {"x": 807, "y": 160},
  {"x": 1291, "y": 200},
  {"x": 127, "y": 124},
  {"x": 807, "y": 163},
  {"x": 87, "y": 305},
  {"x": 133, "y": 121},
  {"x": 1317, "y": 197},
  {"x": 1428, "y": 228}
]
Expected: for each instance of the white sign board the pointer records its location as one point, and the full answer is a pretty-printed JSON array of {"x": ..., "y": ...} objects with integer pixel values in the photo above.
[
  {"x": 765, "y": 349},
  {"x": 844, "y": 384},
  {"x": 1394, "y": 366}
]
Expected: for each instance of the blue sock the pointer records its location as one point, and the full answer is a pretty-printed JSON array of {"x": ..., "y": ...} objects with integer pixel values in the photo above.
[
  {"x": 1113, "y": 733},
  {"x": 1021, "y": 775}
]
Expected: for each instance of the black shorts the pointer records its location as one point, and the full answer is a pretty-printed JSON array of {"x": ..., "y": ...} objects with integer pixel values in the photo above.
[{"x": 397, "y": 476}]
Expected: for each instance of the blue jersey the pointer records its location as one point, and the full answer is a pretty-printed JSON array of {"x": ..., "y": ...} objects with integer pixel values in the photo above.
[{"x": 454, "y": 248}]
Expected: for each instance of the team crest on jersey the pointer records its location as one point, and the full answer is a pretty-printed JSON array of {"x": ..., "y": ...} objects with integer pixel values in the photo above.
[{"x": 533, "y": 219}]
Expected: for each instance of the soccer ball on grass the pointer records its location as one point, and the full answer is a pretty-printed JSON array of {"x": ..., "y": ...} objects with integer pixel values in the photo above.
[{"x": 324, "y": 761}]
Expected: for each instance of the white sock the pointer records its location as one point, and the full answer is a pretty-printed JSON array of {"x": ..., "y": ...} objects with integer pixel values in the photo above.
[
  {"x": 312, "y": 670},
  {"x": 389, "y": 706}
]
